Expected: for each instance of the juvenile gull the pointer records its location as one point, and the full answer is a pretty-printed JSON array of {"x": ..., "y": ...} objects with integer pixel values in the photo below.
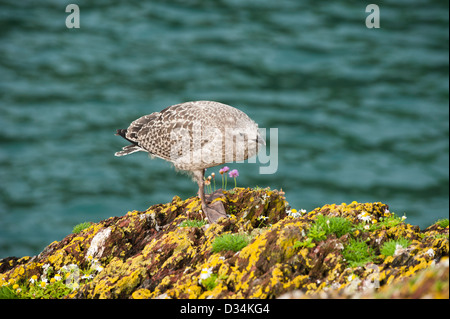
[{"x": 195, "y": 136}]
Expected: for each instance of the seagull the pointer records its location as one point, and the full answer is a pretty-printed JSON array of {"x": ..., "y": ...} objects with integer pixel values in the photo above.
[{"x": 194, "y": 136}]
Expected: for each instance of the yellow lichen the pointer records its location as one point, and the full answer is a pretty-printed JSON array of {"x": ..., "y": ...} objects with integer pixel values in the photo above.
[
  {"x": 171, "y": 259},
  {"x": 141, "y": 294}
]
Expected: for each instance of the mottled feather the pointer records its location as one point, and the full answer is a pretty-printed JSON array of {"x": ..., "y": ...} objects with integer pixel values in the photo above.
[{"x": 194, "y": 135}]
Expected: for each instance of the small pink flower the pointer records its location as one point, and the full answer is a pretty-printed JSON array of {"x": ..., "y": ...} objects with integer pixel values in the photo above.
[
  {"x": 234, "y": 173},
  {"x": 224, "y": 170}
]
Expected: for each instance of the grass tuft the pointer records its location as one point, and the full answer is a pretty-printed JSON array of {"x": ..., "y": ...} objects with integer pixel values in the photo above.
[
  {"x": 357, "y": 253},
  {"x": 210, "y": 283},
  {"x": 192, "y": 223},
  {"x": 335, "y": 225},
  {"x": 443, "y": 222},
  {"x": 234, "y": 242},
  {"x": 80, "y": 227},
  {"x": 389, "y": 247}
]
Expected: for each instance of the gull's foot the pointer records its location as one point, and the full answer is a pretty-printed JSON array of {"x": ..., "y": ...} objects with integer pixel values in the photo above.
[
  {"x": 214, "y": 211},
  {"x": 210, "y": 197}
]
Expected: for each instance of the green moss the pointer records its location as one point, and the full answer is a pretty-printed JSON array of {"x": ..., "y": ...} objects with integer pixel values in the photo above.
[
  {"x": 234, "y": 242},
  {"x": 7, "y": 293},
  {"x": 232, "y": 210},
  {"x": 80, "y": 227},
  {"x": 439, "y": 236},
  {"x": 325, "y": 226},
  {"x": 210, "y": 283},
  {"x": 357, "y": 253},
  {"x": 55, "y": 290},
  {"x": 317, "y": 233},
  {"x": 388, "y": 222},
  {"x": 192, "y": 223},
  {"x": 443, "y": 222},
  {"x": 335, "y": 225},
  {"x": 307, "y": 243},
  {"x": 389, "y": 247}
]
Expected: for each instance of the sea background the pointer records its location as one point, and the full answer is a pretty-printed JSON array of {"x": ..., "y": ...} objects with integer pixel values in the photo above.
[{"x": 362, "y": 114}]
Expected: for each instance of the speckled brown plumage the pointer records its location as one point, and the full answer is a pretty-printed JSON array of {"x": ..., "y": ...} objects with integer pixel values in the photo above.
[{"x": 194, "y": 136}]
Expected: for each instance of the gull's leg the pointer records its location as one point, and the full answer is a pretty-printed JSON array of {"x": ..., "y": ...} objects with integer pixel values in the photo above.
[
  {"x": 201, "y": 187},
  {"x": 216, "y": 210}
]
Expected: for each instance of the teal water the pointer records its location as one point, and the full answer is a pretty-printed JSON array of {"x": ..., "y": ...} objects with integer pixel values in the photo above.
[{"x": 362, "y": 114}]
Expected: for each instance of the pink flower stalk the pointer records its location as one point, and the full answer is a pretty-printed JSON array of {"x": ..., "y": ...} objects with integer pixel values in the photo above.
[{"x": 234, "y": 173}]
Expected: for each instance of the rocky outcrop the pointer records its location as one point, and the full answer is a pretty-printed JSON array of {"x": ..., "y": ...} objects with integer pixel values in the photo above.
[{"x": 290, "y": 254}]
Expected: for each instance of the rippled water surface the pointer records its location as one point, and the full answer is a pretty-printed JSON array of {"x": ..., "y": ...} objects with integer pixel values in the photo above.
[{"x": 362, "y": 114}]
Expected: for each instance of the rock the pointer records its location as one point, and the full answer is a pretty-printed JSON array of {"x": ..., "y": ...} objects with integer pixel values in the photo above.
[{"x": 149, "y": 254}]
